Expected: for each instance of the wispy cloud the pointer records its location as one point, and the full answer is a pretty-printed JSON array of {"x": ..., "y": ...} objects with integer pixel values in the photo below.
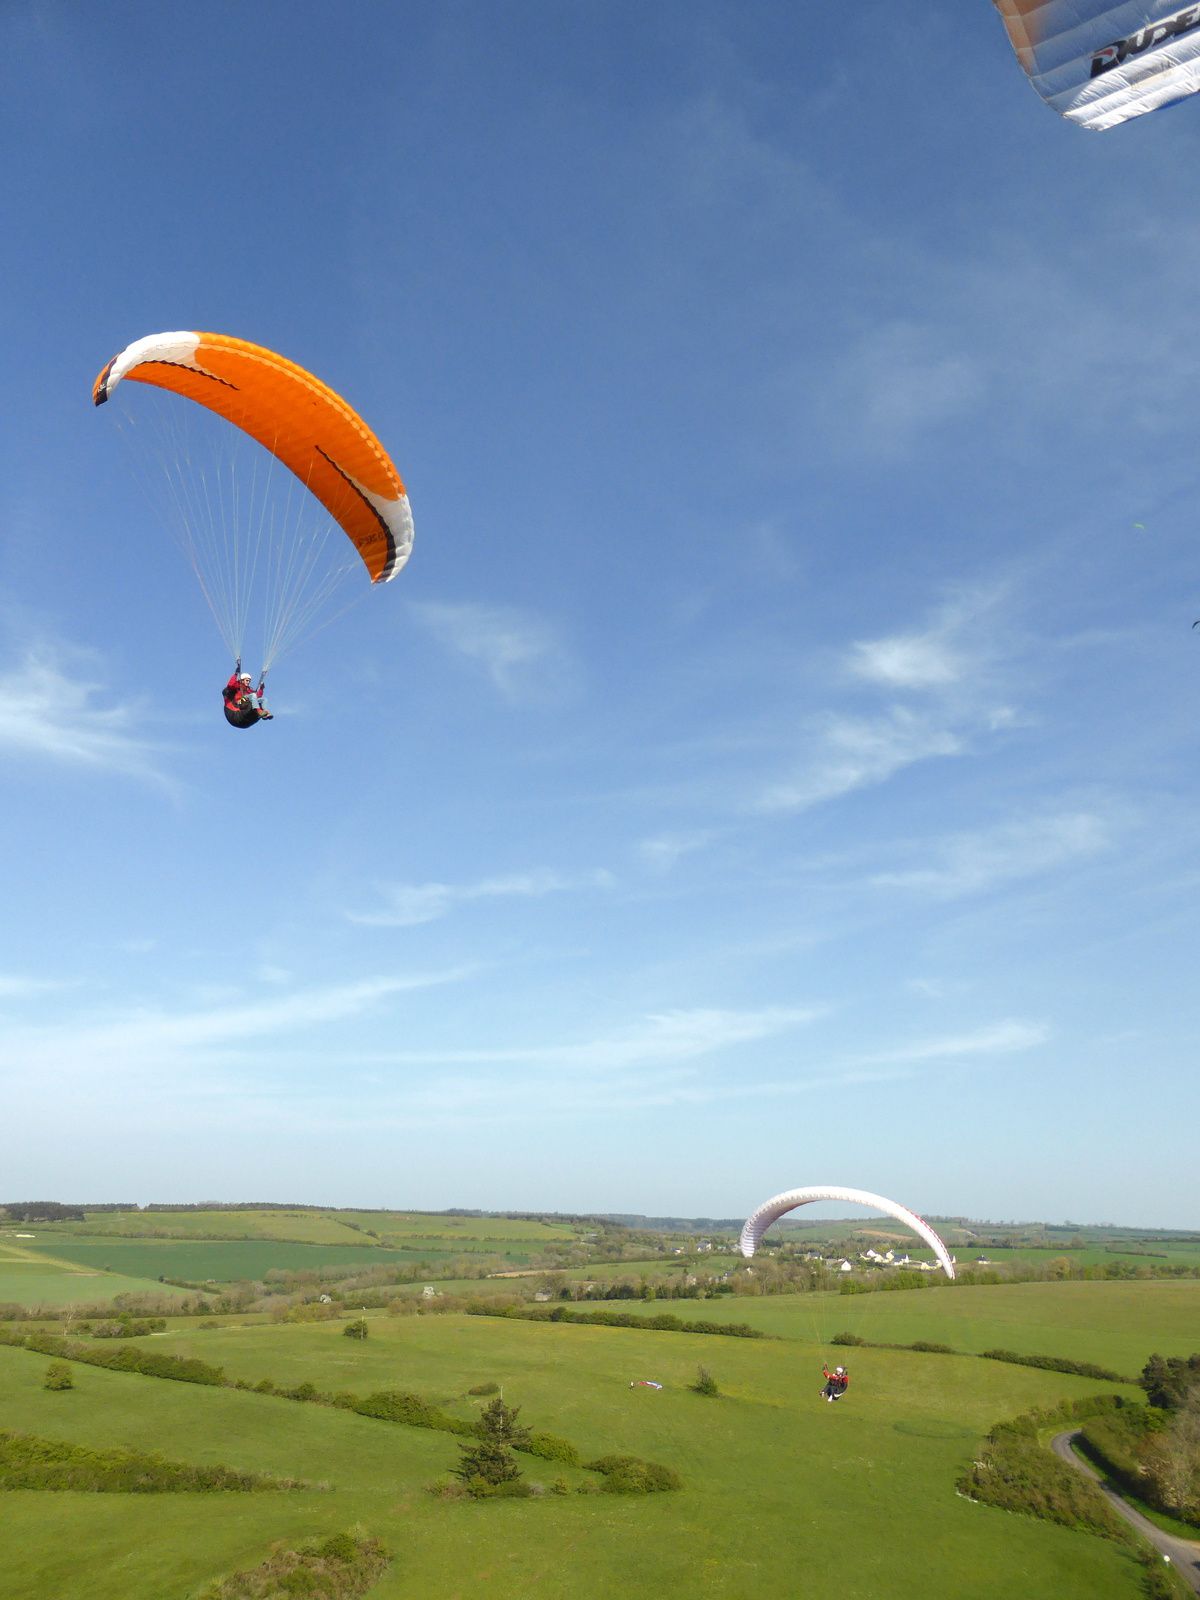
[
  {"x": 999, "y": 1038},
  {"x": 967, "y": 863},
  {"x": 943, "y": 682},
  {"x": 665, "y": 850},
  {"x": 14, "y": 986},
  {"x": 521, "y": 654},
  {"x": 155, "y": 1038},
  {"x": 907, "y": 661},
  {"x": 659, "y": 1039},
  {"x": 408, "y": 905},
  {"x": 848, "y": 753},
  {"x": 47, "y": 714},
  {"x": 948, "y": 654},
  {"x": 661, "y": 1063}
]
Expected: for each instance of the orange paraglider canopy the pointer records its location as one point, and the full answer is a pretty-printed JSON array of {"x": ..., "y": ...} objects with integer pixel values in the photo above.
[{"x": 295, "y": 416}]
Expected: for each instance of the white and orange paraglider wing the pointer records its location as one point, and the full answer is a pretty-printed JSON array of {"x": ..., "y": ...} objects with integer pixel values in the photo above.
[
  {"x": 1099, "y": 63},
  {"x": 295, "y": 416}
]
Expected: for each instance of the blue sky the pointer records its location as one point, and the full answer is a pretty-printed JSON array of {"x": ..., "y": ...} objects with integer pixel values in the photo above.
[{"x": 776, "y": 764}]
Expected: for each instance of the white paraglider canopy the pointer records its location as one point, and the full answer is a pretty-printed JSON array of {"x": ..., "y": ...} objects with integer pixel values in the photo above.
[{"x": 758, "y": 1223}]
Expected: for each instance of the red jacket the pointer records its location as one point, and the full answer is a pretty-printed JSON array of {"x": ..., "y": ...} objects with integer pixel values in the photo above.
[
  {"x": 842, "y": 1379},
  {"x": 234, "y": 694}
]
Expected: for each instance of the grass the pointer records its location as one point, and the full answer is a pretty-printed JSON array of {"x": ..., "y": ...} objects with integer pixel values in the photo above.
[
  {"x": 34, "y": 1283},
  {"x": 1115, "y": 1325},
  {"x": 313, "y": 1227},
  {"x": 857, "y": 1498},
  {"x": 224, "y": 1261}
]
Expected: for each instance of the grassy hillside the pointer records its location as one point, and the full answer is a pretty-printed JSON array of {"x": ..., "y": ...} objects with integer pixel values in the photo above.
[
  {"x": 777, "y": 1483},
  {"x": 1115, "y": 1325},
  {"x": 312, "y": 1227}
]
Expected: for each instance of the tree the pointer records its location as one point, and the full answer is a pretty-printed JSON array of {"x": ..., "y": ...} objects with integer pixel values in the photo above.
[
  {"x": 486, "y": 1465},
  {"x": 1172, "y": 1460},
  {"x": 1169, "y": 1381},
  {"x": 498, "y": 1423}
]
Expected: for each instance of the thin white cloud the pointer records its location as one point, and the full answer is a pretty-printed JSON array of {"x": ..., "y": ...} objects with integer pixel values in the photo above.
[
  {"x": 907, "y": 661},
  {"x": 409, "y": 905},
  {"x": 14, "y": 986},
  {"x": 849, "y": 753},
  {"x": 665, "y": 850},
  {"x": 660, "y": 1039},
  {"x": 948, "y": 654},
  {"x": 521, "y": 654},
  {"x": 657, "y": 1065},
  {"x": 151, "y": 1038},
  {"x": 999, "y": 1038},
  {"x": 968, "y": 863},
  {"x": 46, "y": 714}
]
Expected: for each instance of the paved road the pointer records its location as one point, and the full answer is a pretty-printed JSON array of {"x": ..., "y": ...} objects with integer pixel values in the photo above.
[{"x": 1185, "y": 1553}]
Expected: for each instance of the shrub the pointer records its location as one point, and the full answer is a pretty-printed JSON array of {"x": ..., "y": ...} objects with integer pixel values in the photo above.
[
  {"x": 631, "y": 1475},
  {"x": 356, "y": 1329},
  {"x": 705, "y": 1382},
  {"x": 58, "y": 1376},
  {"x": 929, "y": 1348},
  {"x": 513, "y": 1489},
  {"x": 550, "y": 1448},
  {"x": 126, "y": 1327},
  {"x": 393, "y": 1405},
  {"x": 847, "y": 1338},
  {"x": 484, "y": 1388},
  {"x": 343, "y": 1567}
]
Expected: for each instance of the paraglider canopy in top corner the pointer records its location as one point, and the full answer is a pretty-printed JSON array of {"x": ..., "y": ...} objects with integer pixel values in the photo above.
[{"x": 1099, "y": 63}]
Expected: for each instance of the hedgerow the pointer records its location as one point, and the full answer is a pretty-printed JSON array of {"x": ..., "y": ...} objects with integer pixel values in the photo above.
[
  {"x": 662, "y": 1322},
  {"x": 27, "y": 1462},
  {"x": 153, "y": 1363},
  {"x": 1080, "y": 1369}
]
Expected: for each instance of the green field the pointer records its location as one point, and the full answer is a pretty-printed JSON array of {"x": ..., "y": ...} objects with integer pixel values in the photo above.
[
  {"x": 1112, "y": 1324},
  {"x": 30, "y": 1277},
  {"x": 783, "y": 1494},
  {"x": 225, "y": 1247},
  {"x": 34, "y": 1284},
  {"x": 229, "y": 1260},
  {"x": 318, "y": 1227}
]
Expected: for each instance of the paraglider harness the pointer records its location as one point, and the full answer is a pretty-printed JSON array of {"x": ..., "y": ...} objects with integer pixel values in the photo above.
[
  {"x": 242, "y": 708},
  {"x": 836, "y": 1383}
]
